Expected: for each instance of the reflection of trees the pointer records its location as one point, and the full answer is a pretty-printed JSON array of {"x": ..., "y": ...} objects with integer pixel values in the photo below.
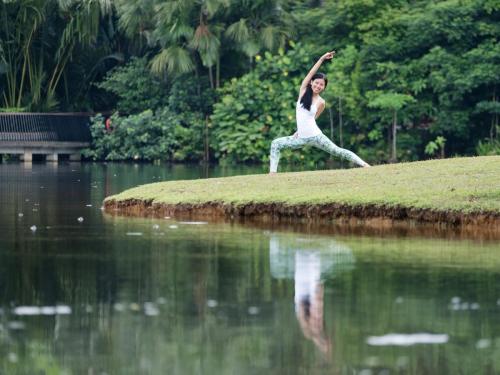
[
  {"x": 232, "y": 265},
  {"x": 33, "y": 358},
  {"x": 43, "y": 193}
]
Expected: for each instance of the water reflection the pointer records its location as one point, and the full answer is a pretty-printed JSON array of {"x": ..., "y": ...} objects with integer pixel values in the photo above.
[
  {"x": 153, "y": 296},
  {"x": 308, "y": 261}
]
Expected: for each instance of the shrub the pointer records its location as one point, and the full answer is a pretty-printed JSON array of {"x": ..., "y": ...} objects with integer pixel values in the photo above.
[
  {"x": 488, "y": 147},
  {"x": 259, "y": 106},
  {"x": 136, "y": 88},
  {"x": 163, "y": 135}
]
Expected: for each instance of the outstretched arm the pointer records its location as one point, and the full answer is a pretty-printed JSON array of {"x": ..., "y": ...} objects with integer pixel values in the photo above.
[{"x": 314, "y": 69}]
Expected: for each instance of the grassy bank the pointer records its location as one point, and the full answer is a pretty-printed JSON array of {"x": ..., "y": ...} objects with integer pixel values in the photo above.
[{"x": 460, "y": 185}]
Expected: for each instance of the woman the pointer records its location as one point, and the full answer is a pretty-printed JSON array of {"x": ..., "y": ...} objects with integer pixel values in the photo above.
[{"x": 309, "y": 108}]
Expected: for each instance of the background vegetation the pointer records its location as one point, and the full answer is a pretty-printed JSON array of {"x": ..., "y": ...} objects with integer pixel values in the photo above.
[{"x": 218, "y": 79}]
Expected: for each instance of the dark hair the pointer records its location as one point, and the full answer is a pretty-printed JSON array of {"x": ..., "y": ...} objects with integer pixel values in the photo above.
[{"x": 307, "y": 98}]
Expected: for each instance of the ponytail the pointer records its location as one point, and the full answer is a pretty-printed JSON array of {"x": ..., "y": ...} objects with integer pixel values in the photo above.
[{"x": 307, "y": 98}]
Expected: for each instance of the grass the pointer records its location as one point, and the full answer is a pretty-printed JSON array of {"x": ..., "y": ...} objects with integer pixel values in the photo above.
[{"x": 459, "y": 184}]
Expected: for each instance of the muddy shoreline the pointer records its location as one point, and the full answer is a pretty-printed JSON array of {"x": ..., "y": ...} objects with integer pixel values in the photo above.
[{"x": 367, "y": 216}]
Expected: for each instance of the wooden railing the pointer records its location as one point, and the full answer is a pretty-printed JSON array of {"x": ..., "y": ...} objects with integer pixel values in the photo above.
[{"x": 48, "y": 134}]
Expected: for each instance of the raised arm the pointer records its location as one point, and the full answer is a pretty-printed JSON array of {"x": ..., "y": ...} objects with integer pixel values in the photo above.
[{"x": 314, "y": 69}]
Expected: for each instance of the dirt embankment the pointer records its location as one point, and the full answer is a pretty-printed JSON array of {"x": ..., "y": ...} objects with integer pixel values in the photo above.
[{"x": 370, "y": 214}]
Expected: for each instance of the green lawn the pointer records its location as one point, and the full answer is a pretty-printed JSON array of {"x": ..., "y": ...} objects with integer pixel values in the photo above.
[{"x": 462, "y": 184}]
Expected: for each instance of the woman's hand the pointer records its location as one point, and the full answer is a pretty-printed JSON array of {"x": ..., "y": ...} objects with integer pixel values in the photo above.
[
  {"x": 307, "y": 80},
  {"x": 328, "y": 56}
]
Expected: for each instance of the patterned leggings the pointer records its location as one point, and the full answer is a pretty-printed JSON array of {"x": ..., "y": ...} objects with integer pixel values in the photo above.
[{"x": 320, "y": 141}]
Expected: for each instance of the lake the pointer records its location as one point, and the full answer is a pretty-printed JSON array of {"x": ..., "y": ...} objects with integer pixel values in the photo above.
[{"x": 85, "y": 292}]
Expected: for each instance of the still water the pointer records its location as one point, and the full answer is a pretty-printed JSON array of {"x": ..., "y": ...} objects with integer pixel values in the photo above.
[{"x": 83, "y": 292}]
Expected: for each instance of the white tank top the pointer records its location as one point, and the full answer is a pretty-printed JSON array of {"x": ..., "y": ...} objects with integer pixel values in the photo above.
[{"x": 306, "y": 123}]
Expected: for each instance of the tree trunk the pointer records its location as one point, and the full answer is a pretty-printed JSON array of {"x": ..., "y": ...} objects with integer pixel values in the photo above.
[
  {"x": 394, "y": 125},
  {"x": 206, "y": 155},
  {"x": 217, "y": 72},
  {"x": 211, "y": 76},
  {"x": 494, "y": 119},
  {"x": 198, "y": 85},
  {"x": 341, "y": 122},
  {"x": 496, "y": 126}
]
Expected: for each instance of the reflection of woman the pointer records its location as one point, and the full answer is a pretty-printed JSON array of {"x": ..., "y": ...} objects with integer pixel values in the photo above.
[
  {"x": 309, "y": 299},
  {"x": 307, "y": 260}
]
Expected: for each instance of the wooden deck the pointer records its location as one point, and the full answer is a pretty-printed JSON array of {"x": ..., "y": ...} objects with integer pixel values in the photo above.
[{"x": 47, "y": 134}]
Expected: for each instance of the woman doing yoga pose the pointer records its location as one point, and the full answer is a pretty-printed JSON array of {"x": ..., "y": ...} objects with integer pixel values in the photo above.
[{"x": 309, "y": 108}]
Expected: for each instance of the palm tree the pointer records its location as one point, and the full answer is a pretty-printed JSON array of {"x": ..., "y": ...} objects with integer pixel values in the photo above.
[
  {"x": 136, "y": 20},
  {"x": 190, "y": 32},
  {"x": 261, "y": 26},
  {"x": 187, "y": 30},
  {"x": 21, "y": 21},
  {"x": 37, "y": 43}
]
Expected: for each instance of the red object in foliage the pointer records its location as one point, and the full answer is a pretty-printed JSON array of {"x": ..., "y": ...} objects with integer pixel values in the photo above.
[{"x": 108, "y": 124}]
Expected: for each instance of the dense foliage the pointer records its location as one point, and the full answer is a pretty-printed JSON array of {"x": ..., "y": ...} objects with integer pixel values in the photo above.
[
  {"x": 431, "y": 67},
  {"x": 177, "y": 130},
  {"x": 259, "y": 106},
  {"x": 411, "y": 79},
  {"x": 147, "y": 136},
  {"x": 52, "y": 50},
  {"x": 135, "y": 87}
]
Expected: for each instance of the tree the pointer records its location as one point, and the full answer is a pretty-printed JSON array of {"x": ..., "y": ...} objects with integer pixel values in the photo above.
[
  {"x": 258, "y": 106},
  {"x": 190, "y": 33},
  {"x": 259, "y": 26},
  {"x": 183, "y": 27},
  {"x": 135, "y": 87},
  {"x": 393, "y": 102},
  {"x": 435, "y": 145},
  {"x": 343, "y": 89},
  {"x": 37, "y": 43}
]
